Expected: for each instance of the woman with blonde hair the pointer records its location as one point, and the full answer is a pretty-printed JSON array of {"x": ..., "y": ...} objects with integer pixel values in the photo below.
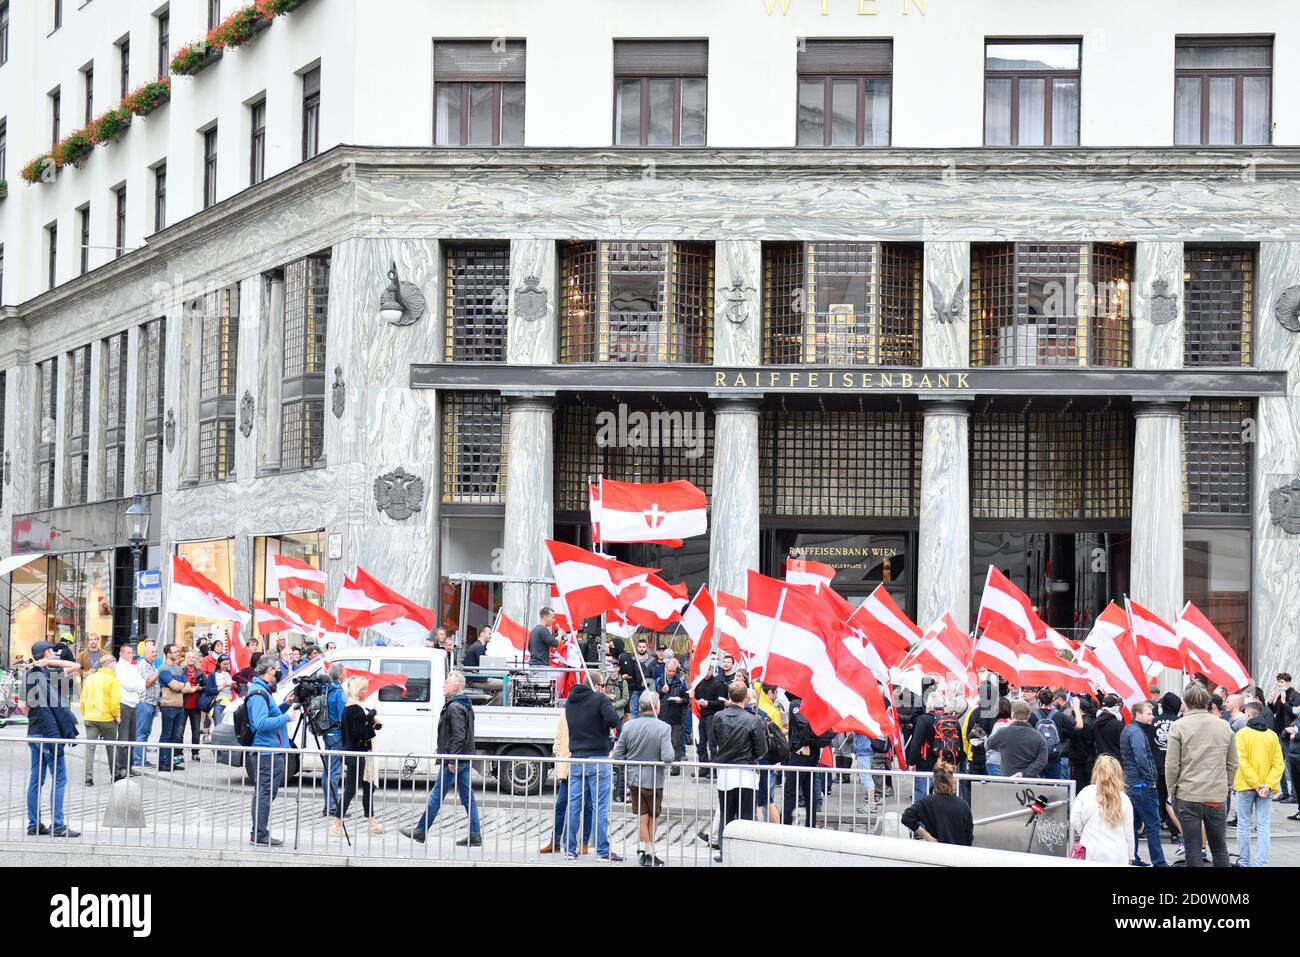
[
  {"x": 1102, "y": 816},
  {"x": 359, "y": 727}
]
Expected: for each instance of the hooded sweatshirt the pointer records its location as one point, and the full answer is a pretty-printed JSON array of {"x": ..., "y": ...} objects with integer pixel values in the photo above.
[
  {"x": 591, "y": 717},
  {"x": 1259, "y": 757},
  {"x": 1170, "y": 704}
]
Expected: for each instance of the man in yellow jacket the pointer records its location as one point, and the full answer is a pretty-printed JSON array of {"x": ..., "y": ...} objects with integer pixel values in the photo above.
[
  {"x": 1259, "y": 778},
  {"x": 101, "y": 709}
]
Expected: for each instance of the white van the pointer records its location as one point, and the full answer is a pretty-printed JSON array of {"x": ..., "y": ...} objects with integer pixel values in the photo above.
[{"x": 410, "y": 720}]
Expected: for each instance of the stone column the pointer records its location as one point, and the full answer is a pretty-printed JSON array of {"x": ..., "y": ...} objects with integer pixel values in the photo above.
[
  {"x": 943, "y": 545},
  {"x": 1156, "y": 572},
  {"x": 945, "y": 314},
  {"x": 734, "y": 531},
  {"x": 738, "y": 320},
  {"x": 1275, "y": 606},
  {"x": 1157, "y": 298},
  {"x": 532, "y": 300},
  {"x": 529, "y": 484}
]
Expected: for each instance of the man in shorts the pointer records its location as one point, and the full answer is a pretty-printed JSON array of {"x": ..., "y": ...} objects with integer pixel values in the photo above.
[{"x": 646, "y": 743}]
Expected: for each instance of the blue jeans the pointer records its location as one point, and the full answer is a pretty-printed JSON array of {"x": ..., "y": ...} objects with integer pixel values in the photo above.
[
  {"x": 269, "y": 773},
  {"x": 1248, "y": 806},
  {"x": 446, "y": 776},
  {"x": 46, "y": 758},
  {"x": 922, "y": 782},
  {"x": 634, "y": 703},
  {"x": 1053, "y": 769},
  {"x": 144, "y": 712},
  {"x": 589, "y": 784},
  {"x": 333, "y": 772},
  {"x": 1146, "y": 811},
  {"x": 562, "y": 812},
  {"x": 173, "y": 726}
]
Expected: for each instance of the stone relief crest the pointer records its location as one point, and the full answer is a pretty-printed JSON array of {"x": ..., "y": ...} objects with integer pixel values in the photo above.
[
  {"x": 399, "y": 494},
  {"x": 736, "y": 304},
  {"x": 169, "y": 430},
  {"x": 1287, "y": 309},
  {"x": 1284, "y": 507},
  {"x": 247, "y": 408},
  {"x": 530, "y": 300},
  {"x": 948, "y": 311},
  {"x": 8, "y": 468},
  {"x": 338, "y": 393},
  {"x": 1164, "y": 306}
]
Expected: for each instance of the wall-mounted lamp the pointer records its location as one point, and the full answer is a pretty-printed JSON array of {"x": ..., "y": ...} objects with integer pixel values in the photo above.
[{"x": 402, "y": 303}]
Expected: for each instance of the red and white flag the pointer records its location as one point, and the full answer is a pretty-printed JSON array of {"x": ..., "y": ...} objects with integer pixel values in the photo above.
[
  {"x": 653, "y": 604},
  {"x": 1001, "y": 599},
  {"x": 271, "y": 620},
  {"x": 366, "y": 602},
  {"x": 1208, "y": 651},
  {"x": 294, "y": 573},
  {"x": 945, "y": 651},
  {"x": 590, "y": 583},
  {"x": 731, "y": 622},
  {"x": 998, "y": 650},
  {"x": 804, "y": 654},
  {"x": 319, "y": 621},
  {"x": 563, "y": 624},
  {"x": 1111, "y": 623},
  {"x": 802, "y": 571},
  {"x": 1155, "y": 638},
  {"x": 194, "y": 594},
  {"x": 594, "y": 504},
  {"x": 885, "y": 627},
  {"x": 697, "y": 622},
  {"x": 376, "y": 681},
  {"x": 649, "y": 512},
  {"x": 568, "y": 654},
  {"x": 240, "y": 656},
  {"x": 509, "y": 639},
  {"x": 1114, "y": 665},
  {"x": 1040, "y": 667}
]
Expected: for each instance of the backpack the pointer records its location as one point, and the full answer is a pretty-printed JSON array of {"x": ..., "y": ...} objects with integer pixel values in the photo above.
[
  {"x": 778, "y": 746},
  {"x": 244, "y": 733},
  {"x": 947, "y": 737},
  {"x": 1052, "y": 735}
]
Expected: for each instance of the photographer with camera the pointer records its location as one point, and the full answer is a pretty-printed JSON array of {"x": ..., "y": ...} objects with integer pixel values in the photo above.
[
  {"x": 335, "y": 703},
  {"x": 269, "y": 723},
  {"x": 358, "y": 735}
]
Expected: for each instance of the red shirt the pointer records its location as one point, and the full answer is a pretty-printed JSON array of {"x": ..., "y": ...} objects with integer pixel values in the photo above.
[
  {"x": 193, "y": 676},
  {"x": 208, "y": 663}
]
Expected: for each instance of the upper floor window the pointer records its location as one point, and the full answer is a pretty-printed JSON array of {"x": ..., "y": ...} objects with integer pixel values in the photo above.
[
  {"x": 1050, "y": 304},
  {"x": 218, "y": 351},
  {"x": 475, "y": 439},
  {"x": 478, "y": 283},
  {"x": 159, "y": 196},
  {"x": 78, "y": 460},
  {"x": 302, "y": 389},
  {"x": 115, "y": 416},
  {"x": 52, "y": 259},
  {"x": 844, "y": 92},
  {"x": 48, "y": 380},
  {"x": 209, "y": 167},
  {"x": 1031, "y": 93},
  {"x": 4, "y": 32},
  {"x": 842, "y": 303},
  {"x": 214, "y": 13},
  {"x": 56, "y": 109},
  {"x": 119, "y": 231},
  {"x": 1216, "y": 456},
  {"x": 478, "y": 93},
  {"x": 1218, "y": 297},
  {"x": 1222, "y": 91},
  {"x": 257, "y": 143},
  {"x": 164, "y": 42},
  {"x": 153, "y": 352},
  {"x": 4, "y": 145},
  {"x": 88, "y": 74},
  {"x": 310, "y": 113},
  {"x": 58, "y": 14},
  {"x": 83, "y": 215},
  {"x": 660, "y": 92},
  {"x": 124, "y": 67},
  {"x": 650, "y": 303}
]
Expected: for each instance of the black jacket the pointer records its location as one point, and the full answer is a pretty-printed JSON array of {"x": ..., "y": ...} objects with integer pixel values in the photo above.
[
  {"x": 946, "y": 817},
  {"x": 801, "y": 732},
  {"x": 359, "y": 728},
  {"x": 1106, "y": 732},
  {"x": 921, "y": 753},
  {"x": 590, "y": 717},
  {"x": 737, "y": 737},
  {"x": 711, "y": 693},
  {"x": 47, "y": 692},
  {"x": 673, "y": 712},
  {"x": 627, "y": 666},
  {"x": 456, "y": 726},
  {"x": 1281, "y": 708}
]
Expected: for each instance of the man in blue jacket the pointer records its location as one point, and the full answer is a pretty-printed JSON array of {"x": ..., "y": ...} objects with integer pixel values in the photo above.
[
  {"x": 1140, "y": 777},
  {"x": 335, "y": 703},
  {"x": 269, "y": 722},
  {"x": 48, "y": 691}
]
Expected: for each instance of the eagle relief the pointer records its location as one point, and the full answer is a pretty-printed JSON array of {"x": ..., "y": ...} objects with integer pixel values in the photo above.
[
  {"x": 399, "y": 494},
  {"x": 948, "y": 310}
]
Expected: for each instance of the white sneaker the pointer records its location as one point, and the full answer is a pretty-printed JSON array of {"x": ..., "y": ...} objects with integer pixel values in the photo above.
[{"x": 1180, "y": 852}]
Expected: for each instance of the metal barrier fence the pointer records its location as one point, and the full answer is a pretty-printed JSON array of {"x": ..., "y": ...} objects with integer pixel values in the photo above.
[{"x": 210, "y": 805}]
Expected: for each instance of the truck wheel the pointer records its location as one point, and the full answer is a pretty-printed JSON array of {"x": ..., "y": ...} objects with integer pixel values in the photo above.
[{"x": 521, "y": 777}]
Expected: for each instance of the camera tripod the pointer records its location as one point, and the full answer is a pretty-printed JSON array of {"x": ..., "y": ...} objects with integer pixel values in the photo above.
[{"x": 304, "y": 726}]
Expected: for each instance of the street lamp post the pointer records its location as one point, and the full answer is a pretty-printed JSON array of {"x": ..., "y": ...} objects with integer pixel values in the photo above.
[{"x": 137, "y": 535}]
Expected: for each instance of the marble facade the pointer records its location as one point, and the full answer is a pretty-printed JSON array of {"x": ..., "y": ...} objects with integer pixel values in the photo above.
[{"x": 371, "y": 207}]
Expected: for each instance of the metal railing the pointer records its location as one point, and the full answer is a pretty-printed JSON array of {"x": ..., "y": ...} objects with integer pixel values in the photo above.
[{"x": 209, "y": 805}]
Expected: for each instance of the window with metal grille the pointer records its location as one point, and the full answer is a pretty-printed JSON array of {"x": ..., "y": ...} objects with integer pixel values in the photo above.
[
  {"x": 850, "y": 463},
  {"x": 1222, "y": 88},
  {"x": 1036, "y": 304},
  {"x": 1031, "y": 93},
  {"x": 478, "y": 92},
  {"x": 217, "y": 364},
  {"x": 78, "y": 463},
  {"x": 1056, "y": 464},
  {"x": 630, "y": 443},
  {"x": 48, "y": 371},
  {"x": 1218, "y": 302},
  {"x": 115, "y": 416},
  {"x": 478, "y": 284},
  {"x": 1217, "y": 456},
  {"x": 660, "y": 92},
  {"x": 844, "y": 92},
  {"x": 475, "y": 438},
  {"x": 842, "y": 303},
  {"x": 649, "y": 303},
  {"x": 302, "y": 391},
  {"x": 153, "y": 349}
]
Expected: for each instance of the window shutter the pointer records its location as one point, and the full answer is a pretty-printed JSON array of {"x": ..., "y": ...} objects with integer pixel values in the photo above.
[
  {"x": 476, "y": 60},
  {"x": 661, "y": 57},
  {"x": 846, "y": 56}
]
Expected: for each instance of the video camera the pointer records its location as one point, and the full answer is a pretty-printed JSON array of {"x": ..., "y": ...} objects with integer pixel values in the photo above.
[{"x": 311, "y": 691}]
